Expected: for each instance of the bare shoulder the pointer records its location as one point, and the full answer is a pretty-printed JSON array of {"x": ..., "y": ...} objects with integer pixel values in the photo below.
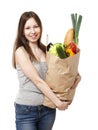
[
  {"x": 21, "y": 51},
  {"x": 21, "y": 54}
]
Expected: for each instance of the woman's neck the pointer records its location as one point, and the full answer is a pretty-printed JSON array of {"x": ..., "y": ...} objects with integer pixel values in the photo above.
[
  {"x": 36, "y": 50},
  {"x": 33, "y": 46}
]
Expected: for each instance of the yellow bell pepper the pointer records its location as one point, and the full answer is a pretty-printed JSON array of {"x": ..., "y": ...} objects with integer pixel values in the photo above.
[{"x": 69, "y": 52}]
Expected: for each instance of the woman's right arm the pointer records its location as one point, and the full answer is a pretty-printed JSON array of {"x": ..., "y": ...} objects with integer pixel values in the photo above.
[{"x": 29, "y": 70}]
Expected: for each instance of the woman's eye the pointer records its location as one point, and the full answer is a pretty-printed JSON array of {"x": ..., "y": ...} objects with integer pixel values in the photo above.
[
  {"x": 36, "y": 26},
  {"x": 27, "y": 28}
]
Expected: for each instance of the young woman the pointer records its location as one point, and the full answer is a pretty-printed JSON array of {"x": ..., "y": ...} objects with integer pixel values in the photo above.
[{"x": 30, "y": 63}]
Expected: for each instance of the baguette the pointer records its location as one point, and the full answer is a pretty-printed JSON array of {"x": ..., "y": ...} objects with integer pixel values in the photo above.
[{"x": 69, "y": 36}]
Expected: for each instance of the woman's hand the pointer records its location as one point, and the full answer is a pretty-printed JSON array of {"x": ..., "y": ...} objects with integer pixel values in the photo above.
[
  {"x": 63, "y": 105},
  {"x": 77, "y": 80}
]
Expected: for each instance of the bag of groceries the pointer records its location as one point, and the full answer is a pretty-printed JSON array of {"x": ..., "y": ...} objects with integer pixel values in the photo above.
[{"x": 62, "y": 62}]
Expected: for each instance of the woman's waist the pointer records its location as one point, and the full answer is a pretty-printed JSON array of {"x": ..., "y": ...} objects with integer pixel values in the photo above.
[{"x": 28, "y": 97}]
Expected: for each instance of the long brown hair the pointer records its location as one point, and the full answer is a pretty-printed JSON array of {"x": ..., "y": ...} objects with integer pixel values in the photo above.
[{"x": 20, "y": 38}]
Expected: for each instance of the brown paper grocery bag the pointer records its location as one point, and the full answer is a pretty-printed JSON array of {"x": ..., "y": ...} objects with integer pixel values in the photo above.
[{"x": 60, "y": 76}]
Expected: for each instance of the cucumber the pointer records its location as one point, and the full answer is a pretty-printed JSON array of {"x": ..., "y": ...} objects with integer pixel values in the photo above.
[{"x": 61, "y": 52}]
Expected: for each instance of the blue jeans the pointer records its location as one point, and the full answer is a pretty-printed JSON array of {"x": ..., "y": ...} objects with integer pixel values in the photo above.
[{"x": 34, "y": 117}]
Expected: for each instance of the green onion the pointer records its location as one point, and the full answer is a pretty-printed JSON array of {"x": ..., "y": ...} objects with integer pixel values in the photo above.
[{"x": 76, "y": 22}]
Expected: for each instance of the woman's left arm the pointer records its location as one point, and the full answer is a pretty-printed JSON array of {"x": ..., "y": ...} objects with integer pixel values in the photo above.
[{"x": 77, "y": 80}]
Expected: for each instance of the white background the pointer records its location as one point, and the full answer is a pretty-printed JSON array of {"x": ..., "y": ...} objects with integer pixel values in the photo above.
[{"x": 55, "y": 16}]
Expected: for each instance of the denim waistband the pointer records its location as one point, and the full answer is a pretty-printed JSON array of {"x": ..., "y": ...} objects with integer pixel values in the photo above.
[{"x": 39, "y": 107}]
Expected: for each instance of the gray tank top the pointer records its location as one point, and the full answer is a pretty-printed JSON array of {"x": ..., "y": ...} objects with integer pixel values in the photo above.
[{"x": 28, "y": 93}]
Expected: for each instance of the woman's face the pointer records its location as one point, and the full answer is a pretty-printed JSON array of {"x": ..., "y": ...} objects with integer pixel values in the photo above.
[{"x": 32, "y": 30}]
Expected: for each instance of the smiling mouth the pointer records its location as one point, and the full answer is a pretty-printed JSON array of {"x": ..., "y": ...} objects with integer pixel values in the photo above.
[{"x": 33, "y": 37}]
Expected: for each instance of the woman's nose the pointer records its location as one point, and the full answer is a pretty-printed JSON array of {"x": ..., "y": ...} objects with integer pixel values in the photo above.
[{"x": 32, "y": 30}]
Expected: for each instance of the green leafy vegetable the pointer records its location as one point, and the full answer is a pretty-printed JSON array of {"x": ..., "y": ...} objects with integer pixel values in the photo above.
[{"x": 58, "y": 50}]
